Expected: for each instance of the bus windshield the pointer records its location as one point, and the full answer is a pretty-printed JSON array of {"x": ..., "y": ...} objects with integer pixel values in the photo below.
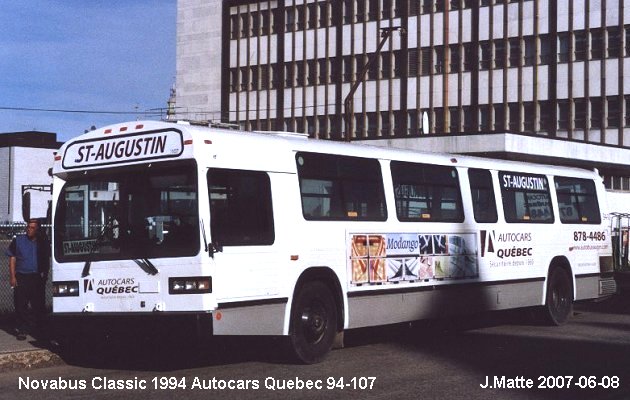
[{"x": 142, "y": 212}]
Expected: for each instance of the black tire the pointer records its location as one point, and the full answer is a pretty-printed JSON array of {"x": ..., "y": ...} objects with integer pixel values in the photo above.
[
  {"x": 559, "y": 302},
  {"x": 313, "y": 323}
]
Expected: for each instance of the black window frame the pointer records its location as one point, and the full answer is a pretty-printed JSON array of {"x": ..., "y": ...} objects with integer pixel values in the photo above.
[
  {"x": 508, "y": 195},
  {"x": 261, "y": 205},
  {"x": 484, "y": 201},
  {"x": 562, "y": 195},
  {"x": 347, "y": 176},
  {"x": 429, "y": 178}
]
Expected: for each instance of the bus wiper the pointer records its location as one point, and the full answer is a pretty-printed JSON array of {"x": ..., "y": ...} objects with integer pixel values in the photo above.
[
  {"x": 97, "y": 243},
  {"x": 147, "y": 266}
]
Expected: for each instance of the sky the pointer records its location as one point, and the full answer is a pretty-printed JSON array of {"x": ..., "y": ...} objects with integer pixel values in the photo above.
[{"x": 84, "y": 57}]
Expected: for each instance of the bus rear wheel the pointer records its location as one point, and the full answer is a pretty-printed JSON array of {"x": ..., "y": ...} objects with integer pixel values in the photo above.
[
  {"x": 313, "y": 323},
  {"x": 559, "y": 302}
]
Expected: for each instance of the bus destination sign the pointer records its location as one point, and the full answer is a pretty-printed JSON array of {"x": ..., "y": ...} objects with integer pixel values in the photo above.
[{"x": 121, "y": 149}]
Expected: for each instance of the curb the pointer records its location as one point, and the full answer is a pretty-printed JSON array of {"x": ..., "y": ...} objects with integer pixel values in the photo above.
[{"x": 30, "y": 359}]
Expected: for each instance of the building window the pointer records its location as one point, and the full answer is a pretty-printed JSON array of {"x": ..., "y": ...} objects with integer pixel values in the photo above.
[
  {"x": 579, "y": 113},
  {"x": 439, "y": 60},
  {"x": 312, "y": 72},
  {"x": 485, "y": 117},
  {"x": 347, "y": 68},
  {"x": 515, "y": 118},
  {"x": 289, "y": 75},
  {"x": 597, "y": 44},
  {"x": 312, "y": 15},
  {"x": 245, "y": 25},
  {"x": 581, "y": 50},
  {"x": 439, "y": 120},
  {"x": 563, "y": 114},
  {"x": 469, "y": 119},
  {"x": 348, "y": 11},
  {"x": 515, "y": 52},
  {"x": 324, "y": 14},
  {"x": 400, "y": 123},
  {"x": 300, "y": 74},
  {"x": 454, "y": 120},
  {"x": 372, "y": 124},
  {"x": 499, "y": 117},
  {"x": 413, "y": 62},
  {"x": 627, "y": 101},
  {"x": 386, "y": 64},
  {"x": 627, "y": 30},
  {"x": 255, "y": 24},
  {"x": 245, "y": 79},
  {"x": 614, "y": 41},
  {"x": 413, "y": 122},
  {"x": 290, "y": 19},
  {"x": 529, "y": 117},
  {"x": 255, "y": 77},
  {"x": 546, "y": 56},
  {"x": 398, "y": 63},
  {"x": 613, "y": 111},
  {"x": 455, "y": 58},
  {"x": 563, "y": 47},
  {"x": 546, "y": 113},
  {"x": 427, "y": 6},
  {"x": 266, "y": 22},
  {"x": 499, "y": 53},
  {"x": 300, "y": 17},
  {"x": 530, "y": 50},
  {"x": 324, "y": 74},
  {"x": 469, "y": 57},
  {"x": 425, "y": 66},
  {"x": 485, "y": 50},
  {"x": 386, "y": 123},
  {"x": 234, "y": 26},
  {"x": 596, "y": 112}
]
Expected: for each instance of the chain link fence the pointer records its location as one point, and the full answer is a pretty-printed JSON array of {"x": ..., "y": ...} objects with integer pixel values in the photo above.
[{"x": 7, "y": 233}]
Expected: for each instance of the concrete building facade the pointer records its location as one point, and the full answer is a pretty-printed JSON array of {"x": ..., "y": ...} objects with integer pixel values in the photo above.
[
  {"x": 25, "y": 158},
  {"x": 537, "y": 80}
]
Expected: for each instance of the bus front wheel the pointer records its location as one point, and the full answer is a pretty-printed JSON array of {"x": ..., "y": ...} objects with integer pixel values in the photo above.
[
  {"x": 313, "y": 323},
  {"x": 559, "y": 302}
]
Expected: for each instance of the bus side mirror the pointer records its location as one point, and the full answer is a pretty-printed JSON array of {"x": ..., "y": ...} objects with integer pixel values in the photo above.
[{"x": 26, "y": 206}]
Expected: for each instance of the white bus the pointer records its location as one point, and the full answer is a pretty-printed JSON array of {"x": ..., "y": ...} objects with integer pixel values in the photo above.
[{"x": 277, "y": 234}]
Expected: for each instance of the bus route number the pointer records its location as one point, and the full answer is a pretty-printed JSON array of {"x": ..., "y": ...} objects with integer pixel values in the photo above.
[{"x": 582, "y": 236}]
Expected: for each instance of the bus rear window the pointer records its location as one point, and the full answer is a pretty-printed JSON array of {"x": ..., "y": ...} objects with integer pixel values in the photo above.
[
  {"x": 340, "y": 188},
  {"x": 526, "y": 197},
  {"x": 577, "y": 201}
]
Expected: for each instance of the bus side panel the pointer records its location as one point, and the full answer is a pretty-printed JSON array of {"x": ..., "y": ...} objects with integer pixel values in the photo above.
[
  {"x": 436, "y": 302},
  {"x": 264, "y": 319}
]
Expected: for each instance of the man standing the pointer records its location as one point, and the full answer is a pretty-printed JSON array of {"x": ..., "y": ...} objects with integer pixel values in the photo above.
[{"x": 29, "y": 263}]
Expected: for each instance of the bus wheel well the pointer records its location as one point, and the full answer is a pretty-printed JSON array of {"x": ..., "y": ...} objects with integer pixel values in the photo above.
[
  {"x": 328, "y": 277},
  {"x": 560, "y": 292},
  {"x": 560, "y": 262}
]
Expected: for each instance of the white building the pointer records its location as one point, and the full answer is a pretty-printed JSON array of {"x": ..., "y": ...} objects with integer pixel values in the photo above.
[
  {"x": 25, "y": 158},
  {"x": 537, "y": 80}
]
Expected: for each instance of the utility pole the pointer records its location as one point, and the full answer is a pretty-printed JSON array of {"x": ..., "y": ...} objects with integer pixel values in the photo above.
[{"x": 348, "y": 103}]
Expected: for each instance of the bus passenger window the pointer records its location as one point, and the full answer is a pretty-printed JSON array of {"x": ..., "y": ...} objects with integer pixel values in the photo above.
[
  {"x": 577, "y": 201},
  {"x": 241, "y": 212},
  {"x": 526, "y": 197},
  {"x": 427, "y": 193},
  {"x": 484, "y": 204},
  {"x": 339, "y": 188}
]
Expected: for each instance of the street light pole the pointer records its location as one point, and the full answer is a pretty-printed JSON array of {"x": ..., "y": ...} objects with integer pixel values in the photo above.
[{"x": 349, "y": 100}]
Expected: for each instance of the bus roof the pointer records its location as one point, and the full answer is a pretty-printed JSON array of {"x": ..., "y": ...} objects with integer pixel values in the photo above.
[{"x": 141, "y": 141}]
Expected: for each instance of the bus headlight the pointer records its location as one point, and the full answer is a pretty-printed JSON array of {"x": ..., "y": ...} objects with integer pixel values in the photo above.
[
  {"x": 190, "y": 285},
  {"x": 65, "y": 288}
]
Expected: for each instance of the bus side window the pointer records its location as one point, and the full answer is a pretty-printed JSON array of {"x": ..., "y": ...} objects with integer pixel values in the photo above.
[
  {"x": 484, "y": 204},
  {"x": 241, "y": 212},
  {"x": 340, "y": 188},
  {"x": 426, "y": 192},
  {"x": 526, "y": 198},
  {"x": 577, "y": 201}
]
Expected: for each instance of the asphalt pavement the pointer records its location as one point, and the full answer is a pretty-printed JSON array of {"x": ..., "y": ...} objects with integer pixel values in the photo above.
[{"x": 38, "y": 350}]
